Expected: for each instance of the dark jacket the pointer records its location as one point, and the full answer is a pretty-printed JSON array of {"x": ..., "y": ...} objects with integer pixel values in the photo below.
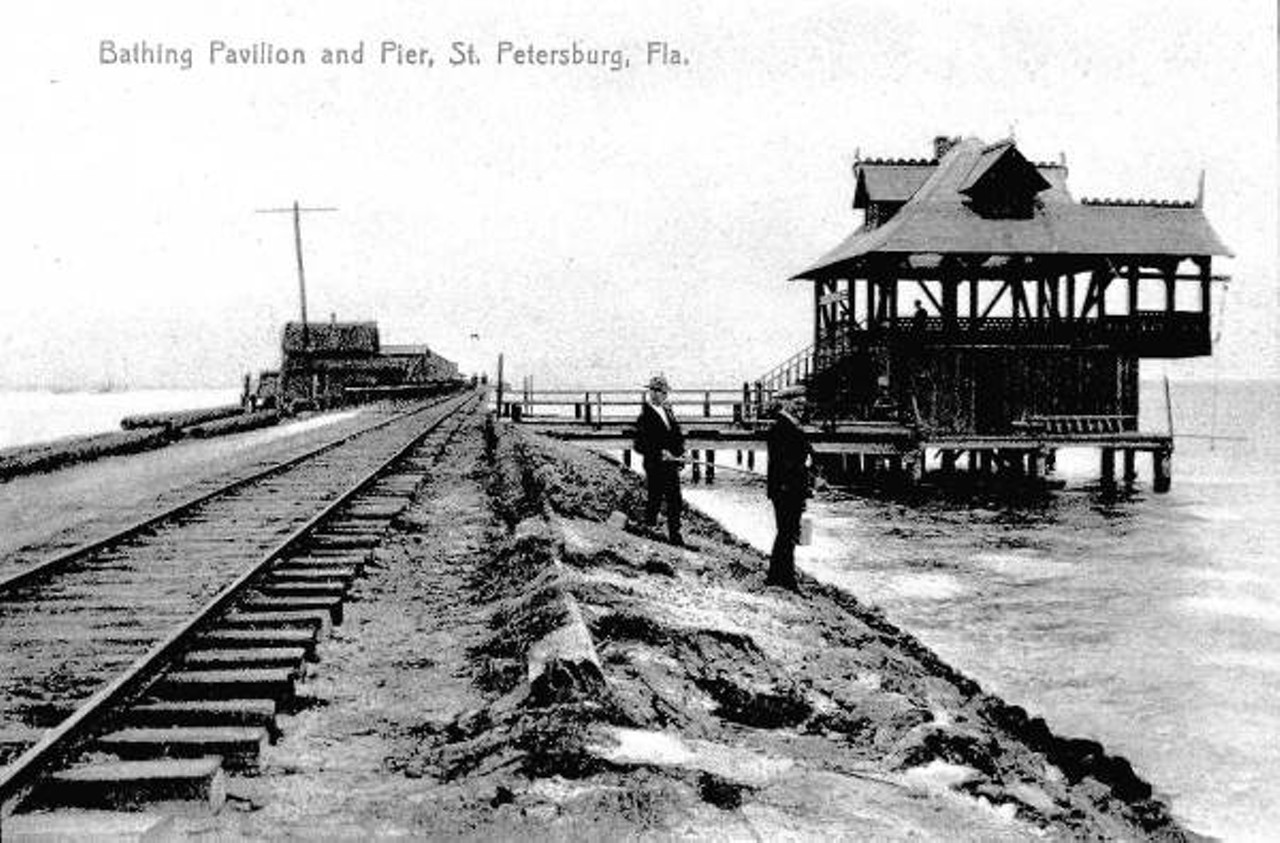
[
  {"x": 653, "y": 436},
  {"x": 789, "y": 451}
]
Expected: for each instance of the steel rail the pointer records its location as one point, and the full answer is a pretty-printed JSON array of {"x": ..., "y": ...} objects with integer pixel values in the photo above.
[
  {"x": 25, "y": 576},
  {"x": 19, "y": 778}
]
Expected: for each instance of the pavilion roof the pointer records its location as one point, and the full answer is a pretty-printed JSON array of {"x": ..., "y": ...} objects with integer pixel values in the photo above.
[{"x": 939, "y": 219}]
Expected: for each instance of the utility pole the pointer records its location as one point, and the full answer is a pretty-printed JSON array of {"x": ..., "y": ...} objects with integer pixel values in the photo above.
[{"x": 302, "y": 283}]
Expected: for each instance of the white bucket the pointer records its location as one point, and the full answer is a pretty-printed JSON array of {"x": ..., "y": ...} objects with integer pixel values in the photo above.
[{"x": 806, "y": 530}]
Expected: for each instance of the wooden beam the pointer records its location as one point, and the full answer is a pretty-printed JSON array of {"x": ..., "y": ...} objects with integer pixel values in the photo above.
[
  {"x": 1205, "y": 277},
  {"x": 871, "y": 304},
  {"x": 992, "y": 304},
  {"x": 1133, "y": 288},
  {"x": 937, "y": 304}
]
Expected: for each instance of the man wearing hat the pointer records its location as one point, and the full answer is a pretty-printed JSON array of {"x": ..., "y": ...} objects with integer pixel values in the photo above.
[
  {"x": 660, "y": 442},
  {"x": 788, "y": 483}
]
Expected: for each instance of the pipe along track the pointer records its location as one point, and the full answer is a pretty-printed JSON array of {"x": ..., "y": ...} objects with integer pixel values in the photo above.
[{"x": 157, "y": 656}]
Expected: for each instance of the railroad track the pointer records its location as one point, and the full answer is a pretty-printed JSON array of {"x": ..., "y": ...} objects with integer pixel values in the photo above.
[{"x": 141, "y": 665}]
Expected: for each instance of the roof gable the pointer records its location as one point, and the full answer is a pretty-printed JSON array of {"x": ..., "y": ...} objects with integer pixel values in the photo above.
[{"x": 1002, "y": 183}]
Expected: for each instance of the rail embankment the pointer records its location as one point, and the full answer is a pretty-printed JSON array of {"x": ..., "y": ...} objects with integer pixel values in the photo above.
[{"x": 682, "y": 667}]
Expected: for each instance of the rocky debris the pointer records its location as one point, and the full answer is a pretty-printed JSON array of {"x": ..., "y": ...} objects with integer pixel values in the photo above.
[
  {"x": 581, "y": 681},
  {"x": 695, "y": 644}
]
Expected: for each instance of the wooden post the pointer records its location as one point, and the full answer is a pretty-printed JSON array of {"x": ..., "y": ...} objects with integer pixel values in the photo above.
[
  {"x": 1130, "y": 472},
  {"x": 914, "y": 466},
  {"x": 696, "y": 467},
  {"x": 706, "y": 404},
  {"x": 1133, "y": 289},
  {"x": 1205, "y": 276},
  {"x": 501, "y": 412},
  {"x": 599, "y": 409},
  {"x": 1035, "y": 464},
  {"x": 586, "y": 400},
  {"x": 626, "y": 457},
  {"x": 739, "y": 454},
  {"x": 711, "y": 466},
  {"x": 1162, "y": 470},
  {"x": 1108, "y": 466},
  {"x": 751, "y": 459},
  {"x": 949, "y": 461}
]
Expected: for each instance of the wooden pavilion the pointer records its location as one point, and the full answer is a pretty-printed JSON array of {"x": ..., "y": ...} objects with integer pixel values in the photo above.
[{"x": 978, "y": 299}]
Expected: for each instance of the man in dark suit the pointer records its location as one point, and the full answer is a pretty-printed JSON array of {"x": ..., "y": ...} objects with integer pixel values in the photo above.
[
  {"x": 660, "y": 442},
  {"x": 788, "y": 483}
]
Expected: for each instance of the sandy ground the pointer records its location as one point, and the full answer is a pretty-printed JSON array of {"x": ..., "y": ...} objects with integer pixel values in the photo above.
[
  {"x": 40, "y": 512},
  {"x": 515, "y": 666}
]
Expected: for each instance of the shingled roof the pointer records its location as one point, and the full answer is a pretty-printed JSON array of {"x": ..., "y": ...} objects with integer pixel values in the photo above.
[
  {"x": 897, "y": 180},
  {"x": 939, "y": 219},
  {"x": 889, "y": 181},
  {"x": 332, "y": 337}
]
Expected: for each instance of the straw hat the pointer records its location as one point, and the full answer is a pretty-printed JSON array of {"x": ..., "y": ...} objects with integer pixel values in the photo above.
[{"x": 658, "y": 382}]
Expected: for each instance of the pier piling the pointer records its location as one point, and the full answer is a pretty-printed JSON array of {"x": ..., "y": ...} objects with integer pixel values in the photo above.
[
  {"x": 1108, "y": 466},
  {"x": 1162, "y": 470}
]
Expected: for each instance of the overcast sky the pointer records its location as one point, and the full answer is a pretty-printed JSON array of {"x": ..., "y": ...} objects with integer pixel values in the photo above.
[{"x": 595, "y": 225}]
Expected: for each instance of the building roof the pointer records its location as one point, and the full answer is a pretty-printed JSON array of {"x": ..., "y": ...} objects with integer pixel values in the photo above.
[
  {"x": 332, "y": 337},
  {"x": 405, "y": 350},
  {"x": 939, "y": 219},
  {"x": 895, "y": 181}
]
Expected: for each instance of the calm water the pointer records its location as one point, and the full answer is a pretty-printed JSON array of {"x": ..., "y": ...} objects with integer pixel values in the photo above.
[
  {"x": 1151, "y": 622},
  {"x": 38, "y": 416}
]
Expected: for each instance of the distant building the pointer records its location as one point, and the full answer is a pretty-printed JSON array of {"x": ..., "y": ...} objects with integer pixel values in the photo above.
[
  {"x": 421, "y": 363},
  {"x": 329, "y": 361}
]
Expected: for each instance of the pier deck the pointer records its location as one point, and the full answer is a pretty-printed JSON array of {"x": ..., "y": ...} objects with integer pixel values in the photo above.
[{"x": 719, "y": 419}]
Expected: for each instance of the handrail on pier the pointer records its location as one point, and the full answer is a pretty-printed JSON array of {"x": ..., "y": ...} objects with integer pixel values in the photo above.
[{"x": 596, "y": 406}]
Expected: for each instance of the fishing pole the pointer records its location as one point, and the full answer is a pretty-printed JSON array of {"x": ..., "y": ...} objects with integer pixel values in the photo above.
[{"x": 719, "y": 466}]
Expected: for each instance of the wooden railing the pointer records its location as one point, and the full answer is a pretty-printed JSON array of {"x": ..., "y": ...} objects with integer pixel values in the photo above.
[
  {"x": 1077, "y": 424},
  {"x": 1146, "y": 333},
  {"x": 597, "y": 407}
]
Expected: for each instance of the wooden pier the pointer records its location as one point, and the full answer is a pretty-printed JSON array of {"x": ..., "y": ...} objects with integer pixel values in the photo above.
[{"x": 718, "y": 420}]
